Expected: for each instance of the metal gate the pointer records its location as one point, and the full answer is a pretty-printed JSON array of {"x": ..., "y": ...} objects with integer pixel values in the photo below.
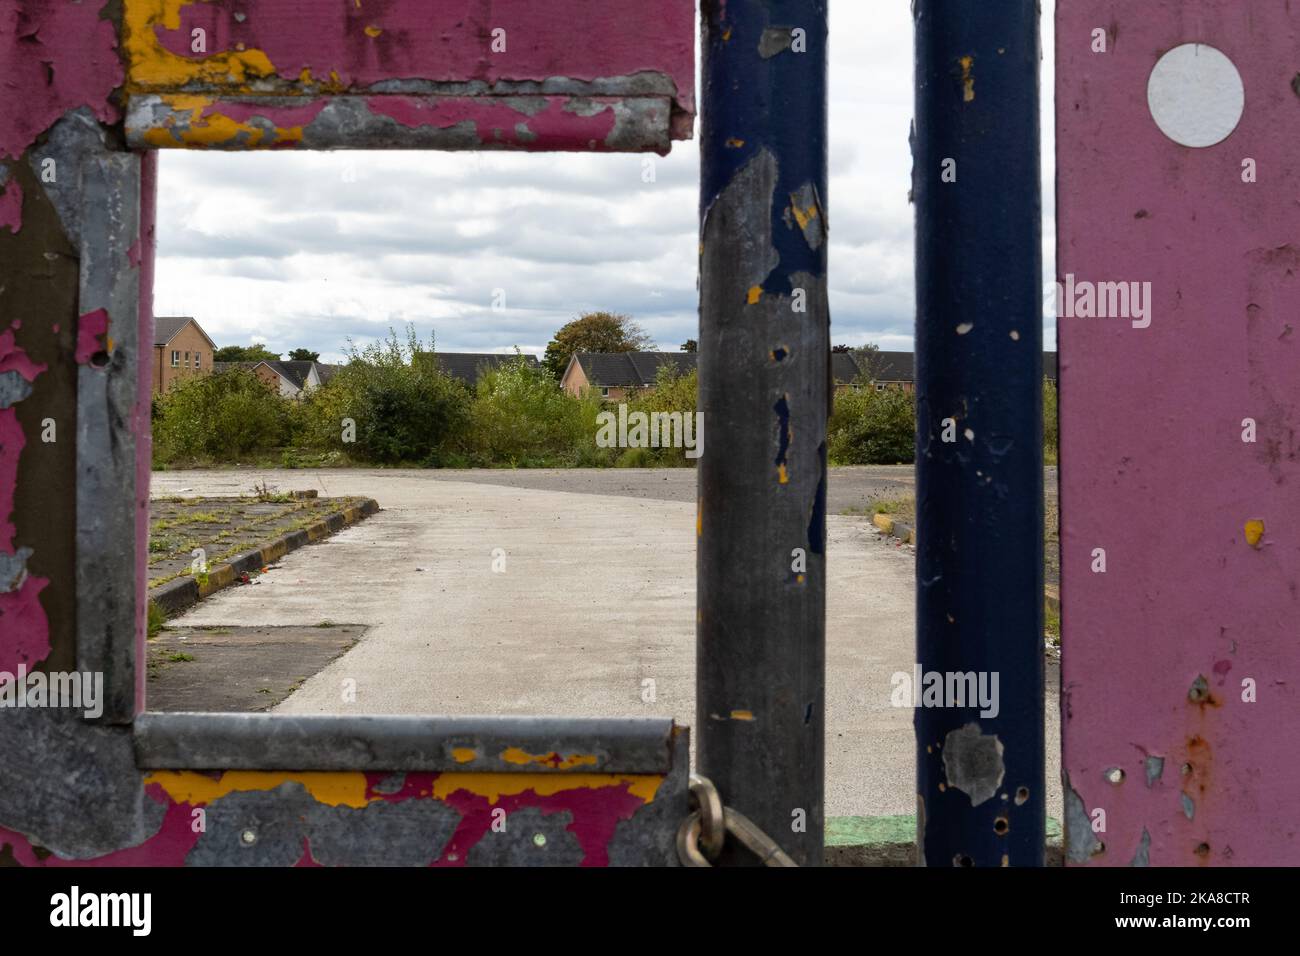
[{"x": 1155, "y": 636}]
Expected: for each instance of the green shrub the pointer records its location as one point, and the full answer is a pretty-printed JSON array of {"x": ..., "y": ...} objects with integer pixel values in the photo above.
[
  {"x": 672, "y": 392},
  {"x": 869, "y": 427},
  {"x": 224, "y": 415},
  {"x": 1051, "y": 430},
  {"x": 402, "y": 409},
  {"x": 521, "y": 419}
]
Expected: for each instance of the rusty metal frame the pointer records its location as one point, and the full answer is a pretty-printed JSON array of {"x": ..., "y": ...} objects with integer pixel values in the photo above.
[{"x": 282, "y": 789}]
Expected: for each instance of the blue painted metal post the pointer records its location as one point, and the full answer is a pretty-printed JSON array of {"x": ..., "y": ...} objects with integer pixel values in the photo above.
[
  {"x": 979, "y": 567},
  {"x": 765, "y": 394}
]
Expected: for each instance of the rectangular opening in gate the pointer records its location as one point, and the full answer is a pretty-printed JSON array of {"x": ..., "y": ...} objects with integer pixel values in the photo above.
[{"x": 398, "y": 467}]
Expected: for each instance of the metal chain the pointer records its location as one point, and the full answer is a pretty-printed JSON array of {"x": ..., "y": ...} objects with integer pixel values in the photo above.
[{"x": 702, "y": 834}]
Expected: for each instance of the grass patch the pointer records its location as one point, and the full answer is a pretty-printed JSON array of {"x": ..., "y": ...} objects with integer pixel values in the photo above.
[
  {"x": 154, "y": 620},
  {"x": 179, "y": 658}
]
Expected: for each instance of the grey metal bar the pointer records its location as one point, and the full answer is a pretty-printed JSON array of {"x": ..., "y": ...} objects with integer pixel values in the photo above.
[
  {"x": 106, "y": 565},
  {"x": 765, "y": 395},
  {"x": 184, "y": 741}
]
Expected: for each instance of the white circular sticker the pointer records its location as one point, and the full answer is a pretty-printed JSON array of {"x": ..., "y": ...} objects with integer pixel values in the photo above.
[{"x": 1196, "y": 95}]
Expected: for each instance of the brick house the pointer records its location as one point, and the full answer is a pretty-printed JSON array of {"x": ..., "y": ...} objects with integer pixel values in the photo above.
[
  {"x": 180, "y": 349},
  {"x": 616, "y": 375}
]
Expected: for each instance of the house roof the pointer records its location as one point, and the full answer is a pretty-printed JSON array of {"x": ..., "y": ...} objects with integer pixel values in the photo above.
[
  {"x": 901, "y": 366},
  {"x": 167, "y": 327},
  {"x": 637, "y": 369},
  {"x": 293, "y": 372},
  {"x": 467, "y": 366},
  {"x": 631, "y": 369}
]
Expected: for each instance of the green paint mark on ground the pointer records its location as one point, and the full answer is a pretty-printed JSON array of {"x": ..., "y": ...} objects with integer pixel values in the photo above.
[{"x": 870, "y": 831}]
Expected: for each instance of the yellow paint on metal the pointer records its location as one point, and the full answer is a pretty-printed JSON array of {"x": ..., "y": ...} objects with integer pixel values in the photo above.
[
  {"x": 803, "y": 216},
  {"x": 373, "y": 31},
  {"x": 967, "y": 78},
  {"x": 464, "y": 754},
  {"x": 755, "y": 294},
  {"x": 151, "y": 66},
  {"x": 1254, "y": 532},
  {"x": 735, "y": 143},
  {"x": 209, "y": 127},
  {"x": 782, "y": 475},
  {"x": 520, "y": 757},
  {"x": 331, "y": 788},
  {"x": 348, "y": 788},
  {"x": 496, "y": 785},
  {"x": 742, "y": 715}
]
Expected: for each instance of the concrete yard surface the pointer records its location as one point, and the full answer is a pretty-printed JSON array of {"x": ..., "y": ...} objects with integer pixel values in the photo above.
[{"x": 573, "y": 594}]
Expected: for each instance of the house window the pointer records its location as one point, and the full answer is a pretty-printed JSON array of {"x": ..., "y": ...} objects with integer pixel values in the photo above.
[
  {"x": 176, "y": 359},
  {"x": 196, "y": 359},
  {"x": 604, "y": 393},
  {"x": 880, "y": 387}
]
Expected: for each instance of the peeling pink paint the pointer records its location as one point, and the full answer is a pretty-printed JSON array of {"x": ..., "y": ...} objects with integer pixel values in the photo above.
[
  {"x": 552, "y": 128},
  {"x": 452, "y": 41},
  {"x": 92, "y": 332},
  {"x": 14, "y": 359},
  {"x": 24, "y": 628},
  {"x": 595, "y": 812},
  {"x": 57, "y": 57},
  {"x": 1155, "y": 469},
  {"x": 11, "y": 206}
]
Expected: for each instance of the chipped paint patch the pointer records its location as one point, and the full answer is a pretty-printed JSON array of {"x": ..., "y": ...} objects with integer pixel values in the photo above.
[
  {"x": 745, "y": 715},
  {"x": 1155, "y": 768},
  {"x": 144, "y": 25},
  {"x": 775, "y": 40},
  {"x": 972, "y": 762},
  {"x": 464, "y": 754},
  {"x": 57, "y": 57},
  {"x": 1081, "y": 844},
  {"x": 11, "y": 206},
  {"x": 806, "y": 207},
  {"x": 197, "y": 121},
  {"x": 92, "y": 335},
  {"x": 967, "y": 78},
  {"x": 1254, "y": 532},
  {"x": 553, "y": 760},
  {"x": 1143, "y": 855},
  {"x": 196, "y": 789}
]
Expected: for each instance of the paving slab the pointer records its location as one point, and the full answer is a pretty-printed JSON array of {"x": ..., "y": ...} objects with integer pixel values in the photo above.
[{"x": 242, "y": 669}]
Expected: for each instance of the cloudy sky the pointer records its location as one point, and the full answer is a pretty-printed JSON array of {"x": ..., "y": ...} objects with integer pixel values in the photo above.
[{"x": 309, "y": 249}]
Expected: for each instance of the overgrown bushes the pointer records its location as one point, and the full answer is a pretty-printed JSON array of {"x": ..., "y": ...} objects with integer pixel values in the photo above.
[
  {"x": 520, "y": 418},
  {"x": 872, "y": 428},
  {"x": 388, "y": 405},
  {"x": 221, "y": 417}
]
